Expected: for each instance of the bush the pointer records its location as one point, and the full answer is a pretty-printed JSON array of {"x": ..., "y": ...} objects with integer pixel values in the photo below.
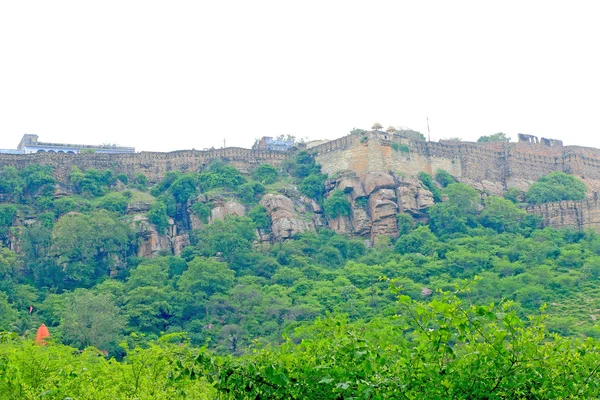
[
  {"x": 401, "y": 148},
  {"x": 513, "y": 194},
  {"x": 202, "y": 211},
  {"x": 556, "y": 186},
  {"x": 184, "y": 187},
  {"x": 427, "y": 181},
  {"x": 313, "y": 186},
  {"x": 220, "y": 175},
  {"x": 265, "y": 174},
  {"x": 444, "y": 178},
  {"x": 158, "y": 216},
  {"x": 115, "y": 202},
  {"x": 123, "y": 178},
  {"x": 337, "y": 205},
  {"x": 259, "y": 216}
]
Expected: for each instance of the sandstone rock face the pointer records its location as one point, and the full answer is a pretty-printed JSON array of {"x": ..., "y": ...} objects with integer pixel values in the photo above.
[
  {"x": 361, "y": 223},
  {"x": 220, "y": 211},
  {"x": 413, "y": 198},
  {"x": 340, "y": 224},
  {"x": 138, "y": 207},
  {"x": 383, "y": 210},
  {"x": 179, "y": 242},
  {"x": 378, "y": 180},
  {"x": 149, "y": 241},
  {"x": 350, "y": 184},
  {"x": 285, "y": 221}
]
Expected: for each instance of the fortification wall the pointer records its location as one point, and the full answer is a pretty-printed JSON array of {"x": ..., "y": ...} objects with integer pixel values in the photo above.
[
  {"x": 582, "y": 215},
  {"x": 153, "y": 165}
]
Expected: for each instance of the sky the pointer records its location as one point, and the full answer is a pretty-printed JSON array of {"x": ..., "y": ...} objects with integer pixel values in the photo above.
[{"x": 169, "y": 75}]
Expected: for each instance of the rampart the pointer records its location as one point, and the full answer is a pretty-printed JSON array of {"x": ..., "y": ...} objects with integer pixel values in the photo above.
[
  {"x": 582, "y": 215},
  {"x": 500, "y": 162},
  {"x": 153, "y": 165}
]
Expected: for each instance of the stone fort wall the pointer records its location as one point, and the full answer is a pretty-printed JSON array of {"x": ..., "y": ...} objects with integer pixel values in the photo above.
[{"x": 153, "y": 165}]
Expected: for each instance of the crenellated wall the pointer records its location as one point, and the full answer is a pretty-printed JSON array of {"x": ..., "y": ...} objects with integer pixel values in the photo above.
[
  {"x": 499, "y": 162},
  {"x": 153, "y": 165}
]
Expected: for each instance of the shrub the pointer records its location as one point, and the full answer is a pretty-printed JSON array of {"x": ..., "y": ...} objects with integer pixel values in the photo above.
[
  {"x": 556, "y": 186},
  {"x": 313, "y": 186},
  {"x": 337, "y": 205},
  {"x": 115, "y": 202},
  {"x": 158, "y": 216},
  {"x": 265, "y": 174},
  {"x": 259, "y": 216},
  {"x": 427, "y": 181},
  {"x": 202, "y": 211},
  {"x": 444, "y": 178}
]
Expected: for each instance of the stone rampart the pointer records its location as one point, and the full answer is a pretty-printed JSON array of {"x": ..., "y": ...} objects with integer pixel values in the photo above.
[
  {"x": 153, "y": 165},
  {"x": 582, "y": 215}
]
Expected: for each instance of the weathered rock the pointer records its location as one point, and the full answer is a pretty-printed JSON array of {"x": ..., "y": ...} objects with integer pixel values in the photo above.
[
  {"x": 361, "y": 223},
  {"x": 220, "y": 211},
  {"x": 179, "y": 242},
  {"x": 383, "y": 210},
  {"x": 138, "y": 207},
  {"x": 350, "y": 184},
  {"x": 311, "y": 204},
  {"x": 149, "y": 241},
  {"x": 378, "y": 180},
  {"x": 340, "y": 224},
  {"x": 285, "y": 221},
  {"x": 413, "y": 198}
]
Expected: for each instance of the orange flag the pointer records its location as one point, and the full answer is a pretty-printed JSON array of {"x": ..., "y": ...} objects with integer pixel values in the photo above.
[{"x": 42, "y": 333}]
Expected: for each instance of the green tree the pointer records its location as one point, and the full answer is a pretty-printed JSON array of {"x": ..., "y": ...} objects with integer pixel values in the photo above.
[
  {"x": 265, "y": 174},
  {"x": 444, "y": 178},
  {"x": 8, "y": 316},
  {"x": 157, "y": 214},
  {"x": 91, "y": 320},
  {"x": 556, "y": 186},
  {"x": 89, "y": 246},
  {"x": 313, "y": 186},
  {"x": 496, "y": 137},
  {"x": 501, "y": 215},
  {"x": 337, "y": 205},
  {"x": 206, "y": 275}
]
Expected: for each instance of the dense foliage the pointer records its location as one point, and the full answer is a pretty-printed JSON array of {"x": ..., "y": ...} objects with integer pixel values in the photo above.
[
  {"x": 556, "y": 186},
  {"x": 313, "y": 316}
]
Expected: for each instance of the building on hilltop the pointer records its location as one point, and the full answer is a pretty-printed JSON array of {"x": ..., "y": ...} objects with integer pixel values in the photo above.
[
  {"x": 268, "y": 143},
  {"x": 30, "y": 144}
]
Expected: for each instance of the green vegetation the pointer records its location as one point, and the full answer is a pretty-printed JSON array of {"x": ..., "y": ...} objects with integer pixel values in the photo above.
[
  {"x": 496, "y": 137},
  {"x": 401, "y": 148},
  {"x": 444, "y": 178},
  {"x": 318, "y": 316},
  {"x": 556, "y": 186},
  {"x": 429, "y": 184},
  {"x": 337, "y": 205}
]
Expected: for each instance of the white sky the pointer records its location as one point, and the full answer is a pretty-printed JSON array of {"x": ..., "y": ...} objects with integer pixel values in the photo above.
[{"x": 167, "y": 75}]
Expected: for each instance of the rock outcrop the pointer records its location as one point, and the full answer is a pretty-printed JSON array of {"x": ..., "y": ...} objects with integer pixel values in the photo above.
[
  {"x": 285, "y": 221},
  {"x": 223, "y": 209}
]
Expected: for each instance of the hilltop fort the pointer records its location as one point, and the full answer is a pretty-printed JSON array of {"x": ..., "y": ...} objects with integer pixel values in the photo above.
[{"x": 380, "y": 166}]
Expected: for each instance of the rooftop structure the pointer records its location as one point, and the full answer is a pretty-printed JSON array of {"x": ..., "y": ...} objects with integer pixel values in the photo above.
[
  {"x": 268, "y": 143},
  {"x": 29, "y": 144}
]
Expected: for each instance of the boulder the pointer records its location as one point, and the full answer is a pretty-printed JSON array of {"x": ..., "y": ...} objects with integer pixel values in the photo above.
[
  {"x": 413, "y": 198},
  {"x": 378, "y": 180},
  {"x": 220, "y": 211},
  {"x": 149, "y": 241},
  {"x": 361, "y": 223},
  {"x": 351, "y": 185},
  {"x": 383, "y": 210},
  {"x": 285, "y": 221}
]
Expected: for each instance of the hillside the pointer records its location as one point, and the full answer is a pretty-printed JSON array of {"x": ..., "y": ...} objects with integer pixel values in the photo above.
[{"x": 241, "y": 249}]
